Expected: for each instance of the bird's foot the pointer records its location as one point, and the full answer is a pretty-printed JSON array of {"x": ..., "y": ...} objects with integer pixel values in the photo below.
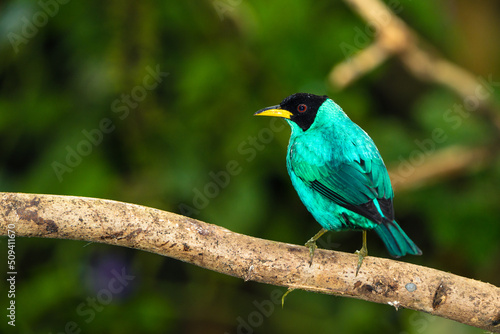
[
  {"x": 286, "y": 294},
  {"x": 311, "y": 244},
  {"x": 361, "y": 253}
]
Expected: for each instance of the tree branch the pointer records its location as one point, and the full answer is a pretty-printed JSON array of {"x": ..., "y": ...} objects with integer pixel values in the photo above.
[
  {"x": 395, "y": 38},
  {"x": 442, "y": 165},
  {"x": 213, "y": 247}
]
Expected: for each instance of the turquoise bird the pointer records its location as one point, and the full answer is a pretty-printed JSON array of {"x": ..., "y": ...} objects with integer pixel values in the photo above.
[{"x": 338, "y": 173}]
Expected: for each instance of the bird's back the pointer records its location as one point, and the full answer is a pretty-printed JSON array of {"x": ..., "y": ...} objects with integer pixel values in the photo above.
[{"x": 338, "y": 172}]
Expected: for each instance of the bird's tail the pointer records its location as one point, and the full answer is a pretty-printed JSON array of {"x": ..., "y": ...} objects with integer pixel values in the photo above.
[{"x": 396, "y": 240}]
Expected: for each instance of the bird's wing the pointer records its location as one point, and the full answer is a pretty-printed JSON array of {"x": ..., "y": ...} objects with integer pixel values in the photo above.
[{"x": 362, "y": 186}]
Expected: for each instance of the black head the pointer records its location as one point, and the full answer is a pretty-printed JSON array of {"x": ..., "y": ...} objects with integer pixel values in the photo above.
[{"x": 300, "y": 108}]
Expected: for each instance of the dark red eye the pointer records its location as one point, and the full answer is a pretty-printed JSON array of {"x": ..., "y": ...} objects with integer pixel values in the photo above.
[{"x": 301, "y": 108}]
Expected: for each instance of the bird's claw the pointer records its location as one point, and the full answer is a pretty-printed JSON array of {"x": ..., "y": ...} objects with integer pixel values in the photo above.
[
  {"x": 311, "y": 244},
  {"x": 361, "y": 255}
]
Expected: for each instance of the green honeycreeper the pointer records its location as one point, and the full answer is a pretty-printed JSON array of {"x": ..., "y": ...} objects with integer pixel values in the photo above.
[{"x": 338, "y": 173}]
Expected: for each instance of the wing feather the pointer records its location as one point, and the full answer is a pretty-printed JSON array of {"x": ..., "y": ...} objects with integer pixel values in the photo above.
[{"x": 361, "y": 185}]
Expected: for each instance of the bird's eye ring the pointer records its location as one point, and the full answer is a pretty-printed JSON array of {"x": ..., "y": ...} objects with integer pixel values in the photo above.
[{"x": 301, "y": 108}]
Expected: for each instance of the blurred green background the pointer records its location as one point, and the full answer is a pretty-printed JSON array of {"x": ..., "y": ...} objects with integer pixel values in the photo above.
[{"x": 145, "y": 101}]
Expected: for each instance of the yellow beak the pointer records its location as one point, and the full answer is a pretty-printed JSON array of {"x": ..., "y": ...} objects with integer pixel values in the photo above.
[{"x": 275, "y": 111}]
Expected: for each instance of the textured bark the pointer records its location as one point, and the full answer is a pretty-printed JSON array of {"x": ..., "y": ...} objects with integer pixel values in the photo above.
[
  {"x": 213, "y": 247},
  {"x": 393, "y": 38}
]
